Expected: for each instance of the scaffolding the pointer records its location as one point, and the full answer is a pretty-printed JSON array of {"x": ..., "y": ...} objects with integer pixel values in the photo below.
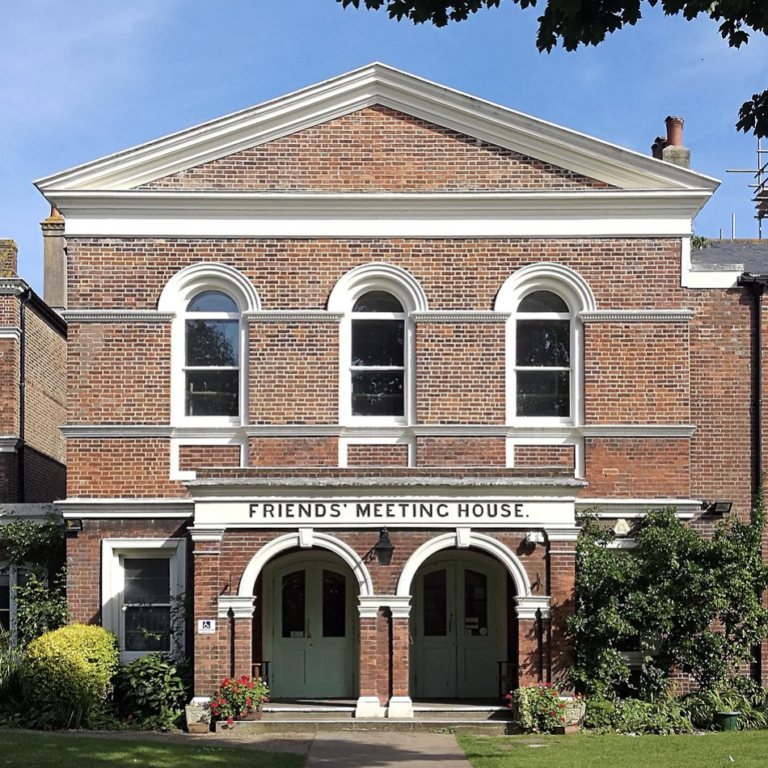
[{"x": 760, "y": 185}]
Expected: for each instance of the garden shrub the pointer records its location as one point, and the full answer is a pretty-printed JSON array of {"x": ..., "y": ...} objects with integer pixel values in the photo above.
[
  {"x": 67, "y": 676},
  {"x": 636, "y": 716},
  {"x": 11, "y": 687},
  {"x": 751, "y": 706},
  {"x": 537, "y": 708},
  {"x": 151, "y": 692}
]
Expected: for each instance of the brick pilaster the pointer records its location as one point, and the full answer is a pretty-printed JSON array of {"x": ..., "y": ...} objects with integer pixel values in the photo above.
[{"x": 562, "y": 573}]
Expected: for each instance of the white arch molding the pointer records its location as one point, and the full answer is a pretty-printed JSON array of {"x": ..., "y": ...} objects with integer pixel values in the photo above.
[
  {"x": 377, "y": 277},
  {"x": 303, "y": 539},
  {"x": 479, "y": 541},
  {"x": 208, "y": 275}
]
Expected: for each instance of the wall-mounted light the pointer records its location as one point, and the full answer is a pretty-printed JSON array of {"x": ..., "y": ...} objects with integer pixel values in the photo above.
[
  {"x": 74, "y": 525},
  {"x": 534, "y": 537},
  {"x": 719, "y": 507},
  {"x": 384, "y": 548}
]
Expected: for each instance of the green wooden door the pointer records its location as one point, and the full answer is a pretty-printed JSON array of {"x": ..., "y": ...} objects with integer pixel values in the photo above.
[
  {"x": 312, "y": 631},
  {"x": 456, "y": 630}
]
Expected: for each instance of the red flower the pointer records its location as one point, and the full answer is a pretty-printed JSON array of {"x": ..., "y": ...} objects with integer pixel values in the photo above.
[
  {"x": 548, "y": 685},
  {"x": 266, "y": 698},
  {"x": 230, "y": 721},
  {"x": 248, "y": 702}
]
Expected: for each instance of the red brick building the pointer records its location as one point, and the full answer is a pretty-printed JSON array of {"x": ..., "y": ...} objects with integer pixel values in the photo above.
[{"x": 379, "y": 311}]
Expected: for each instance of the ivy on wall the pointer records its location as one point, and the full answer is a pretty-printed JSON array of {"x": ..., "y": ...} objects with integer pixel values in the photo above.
[{"x": 683, "y": 600}]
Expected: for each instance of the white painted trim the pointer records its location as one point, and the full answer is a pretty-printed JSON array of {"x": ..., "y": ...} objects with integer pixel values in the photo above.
[
  {"x": 116, "y": 316},
  {"x": 306, "y": 538},
  {"x": 230, "y": 437},
  {"x": 293, "y": 316},
  {"x": 460, "y": 316},
  {"x": 637, "y": 316},
  {"x": 638, "y": 430},
  {"x": 377, "y": 276},
  {"x": 291, "y": 540},
  {"x": 115, "y": 431},
  {"x": 562, "y": 533},
  {"x": 696, "y": 277},
  {"x": 369, "y": 707},
  {"x": 10, "y": 332},
  {"x": 479, "y": 541},
  {"x": 242, "y": 607},
  {"x": 118, "y": 508},
  {"x": 203, "y": 275},
  {"x": 621, "y": 544},
  {"x": 12, "y": 286},
  {"x": 528, "y": 605},
  {"x": 369, "y": 85},
  {"x": 400, "y": 708},
  {"x": 112, "y": 579},
  {"x": 206, "y": 534},
  {"x": 293, "y": 430},
  {"x": 9, "y": 444}
]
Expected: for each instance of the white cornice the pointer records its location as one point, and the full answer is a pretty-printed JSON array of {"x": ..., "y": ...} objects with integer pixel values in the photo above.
[
  {"x": 367, "y": 86},
  {"x": 631, "y": 508},
  {"x": 12, "y": 286},
  {"x": 117, "y": 508},
  {"x": 10, "y": 332},
  {"x": 460, "y": 316},
  {"x": 116, "y": 431},
  {"x": 528, "y": 605},
  {"x": 293, "y": 315},
  {"x": 9, "y": 443},
  {"x": 637, "y": 316},
  {"x": 569, "y": 213},
  {"x": 638, "y": 430},
  {"x": 116, "y": 316}
]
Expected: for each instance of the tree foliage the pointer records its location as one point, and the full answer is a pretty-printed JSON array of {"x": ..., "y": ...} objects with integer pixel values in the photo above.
[
  {"x": 683, "y": 600},
  {"x": 572, "y": 23}
]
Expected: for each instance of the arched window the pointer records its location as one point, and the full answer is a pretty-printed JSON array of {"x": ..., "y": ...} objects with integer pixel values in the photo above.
[
  {"x": 377, "y": 365},
  {"x": 209, "y": 344},
  {"x": 212, "y": 355},
  {"x": 376, "y": 350},
  {"x": 544, "y": 344},
  {"x": 543, "y": 356}
]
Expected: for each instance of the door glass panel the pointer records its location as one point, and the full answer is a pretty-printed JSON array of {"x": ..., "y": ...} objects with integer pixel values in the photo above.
[
  {"x": 147, "y": 580},
  {"x": 334, "y": 604},
  {"x": 293, "y": 603},
  {"x": 475, "y": 604},
  {"x": 147, "y": 628},
  {"x": 435, "y": 604}
]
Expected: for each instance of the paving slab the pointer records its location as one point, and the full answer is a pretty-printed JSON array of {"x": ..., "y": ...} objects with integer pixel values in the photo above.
[{"x": 380, "y": 750}]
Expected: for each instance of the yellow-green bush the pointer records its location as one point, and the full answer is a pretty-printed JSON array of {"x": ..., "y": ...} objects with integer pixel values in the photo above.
[{"x": 66, "y": 674}]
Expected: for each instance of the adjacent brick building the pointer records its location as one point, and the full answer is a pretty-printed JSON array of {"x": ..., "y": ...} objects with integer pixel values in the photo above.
[{"x": 378, "y": 312}]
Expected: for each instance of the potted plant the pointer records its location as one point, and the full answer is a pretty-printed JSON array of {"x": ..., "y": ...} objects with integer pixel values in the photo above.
[{"x": 239, "y": 699}]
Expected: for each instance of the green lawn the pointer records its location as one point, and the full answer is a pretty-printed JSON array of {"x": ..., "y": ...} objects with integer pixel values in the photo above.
[
  {"x": 63, "y": 751},
  {"x": 749, "y": 749}
]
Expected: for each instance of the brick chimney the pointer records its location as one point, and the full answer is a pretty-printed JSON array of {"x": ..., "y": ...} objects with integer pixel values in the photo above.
[
  {"x": 55, "y": 261},
  {"x": 9, "y": 252},
  {"x": 671, "y": 149}
]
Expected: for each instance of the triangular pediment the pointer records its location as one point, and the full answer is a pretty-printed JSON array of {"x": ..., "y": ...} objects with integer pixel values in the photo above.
[{"x": 511, "y": 151}]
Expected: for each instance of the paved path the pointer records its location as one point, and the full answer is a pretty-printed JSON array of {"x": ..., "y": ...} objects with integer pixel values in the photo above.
[{"x": 383, "y": 749}]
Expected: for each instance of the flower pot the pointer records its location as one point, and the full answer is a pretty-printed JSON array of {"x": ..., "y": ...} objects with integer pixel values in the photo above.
[
  {"x": 574, "y": 712},
  {"x": 726, "y": 721}
]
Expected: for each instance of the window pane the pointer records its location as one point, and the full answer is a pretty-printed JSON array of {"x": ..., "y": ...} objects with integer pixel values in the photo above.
[
  {"x": 293, "y": 604},
  {"x": 147, "y": 629},
  {"x": 544, "y": 343},
  {"x": 212, "y": 393},
  {"x": 543, "y": 301},
  {"x": 377, "y": 342},
  {"x": 475, "y": 603},
  {"x": 212, "y": 301},
  {"x": 378, "y": 393},
  {"x": 213, "y": 342},
  {"x": 377, "y": 301},
  {"x": 435, "y": 604},
  {"x": 5, "y": 592},
  {"x": 334, "y": 604},
  {"x": 147, "y": 580},
  {"x": 543, "y": 393}
]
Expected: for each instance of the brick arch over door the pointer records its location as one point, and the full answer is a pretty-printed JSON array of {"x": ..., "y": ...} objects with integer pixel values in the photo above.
[
  {"x": 315, "y": 541},
  {"x": 478, "y": 541}
]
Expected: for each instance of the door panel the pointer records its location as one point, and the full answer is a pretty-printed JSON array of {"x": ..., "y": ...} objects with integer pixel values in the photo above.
[
  {"x": 312, "y": 631},
  {"x": 456, "y": 629}
]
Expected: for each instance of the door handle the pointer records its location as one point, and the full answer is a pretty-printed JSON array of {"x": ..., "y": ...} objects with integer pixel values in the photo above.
[
  {"x": 450, "y": 623},
  {"x": 410, "y": 639},
  {"x": 309, "y": 629}
]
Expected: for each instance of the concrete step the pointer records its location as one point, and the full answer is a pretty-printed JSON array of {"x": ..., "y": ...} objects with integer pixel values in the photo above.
[
  {"x": 286, "y": 712},
  {"x": 463, "y": 713},
  {"x": 383, "y": 725}
]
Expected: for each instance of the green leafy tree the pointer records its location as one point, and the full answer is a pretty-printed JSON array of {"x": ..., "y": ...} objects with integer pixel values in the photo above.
[{"x": 572, "y": 23}]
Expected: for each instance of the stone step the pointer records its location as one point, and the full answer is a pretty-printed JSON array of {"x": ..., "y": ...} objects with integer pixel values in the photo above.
[
  {"x": 383, "y": 725},
  {"x": 285, "y": 712},
  {"x": 462, "y": 713}
]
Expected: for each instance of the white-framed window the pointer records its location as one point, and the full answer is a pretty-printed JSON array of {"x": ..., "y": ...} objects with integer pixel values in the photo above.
[
  {"x": 143, "y": 594},
  {"x": 11, "y": 577},
  {"x": 377, "y": 355},
  {"x": 544, "y": 340},
  {"x": 209, "y": 344}
]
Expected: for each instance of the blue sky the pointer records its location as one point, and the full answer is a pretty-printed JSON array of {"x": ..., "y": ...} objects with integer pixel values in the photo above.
[{"x": 80, "y": 79}]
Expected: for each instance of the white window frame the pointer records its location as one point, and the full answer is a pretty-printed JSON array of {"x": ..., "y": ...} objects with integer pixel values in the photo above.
[
  {"x": 178, "y": 292},
  {"x": 114, "y": 552},
  {"x": 404, "y": 287},
  {"x": 575, "y": 291},
  {"x": 13, "y": 579}
]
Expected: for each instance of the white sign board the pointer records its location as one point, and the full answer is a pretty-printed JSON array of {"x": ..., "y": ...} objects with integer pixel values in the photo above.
[
  {"x": 396, "y": 513},
  {"x": 206, "y": 626}
]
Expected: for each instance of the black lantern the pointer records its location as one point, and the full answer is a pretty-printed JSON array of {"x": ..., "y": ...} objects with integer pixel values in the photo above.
[
  {"x": 384, "y": 547},
  {"x": 719, "y": 507},
  {"x": 73, "y": 525}
]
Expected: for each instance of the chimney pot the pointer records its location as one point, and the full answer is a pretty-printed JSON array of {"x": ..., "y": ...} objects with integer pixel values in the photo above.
[{"x": 674, "y": 131}]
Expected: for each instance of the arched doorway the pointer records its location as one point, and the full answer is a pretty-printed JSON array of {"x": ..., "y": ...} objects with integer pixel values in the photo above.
[
  {"x": 311, "y": 627},
  {"x": 459, "y": 625}
]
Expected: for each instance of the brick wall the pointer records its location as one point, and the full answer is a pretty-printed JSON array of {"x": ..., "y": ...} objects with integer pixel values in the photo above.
[
  {"x": 294, "y": 452},
  {"x": 377, "y": 455},
  {"x": 544, "y": 456},
  {"x": 376, "y": 149},
  {"x": 9, "y": 386},
  {"x": 461, "y": 451},
  {"x": 192, "y": 457}
]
